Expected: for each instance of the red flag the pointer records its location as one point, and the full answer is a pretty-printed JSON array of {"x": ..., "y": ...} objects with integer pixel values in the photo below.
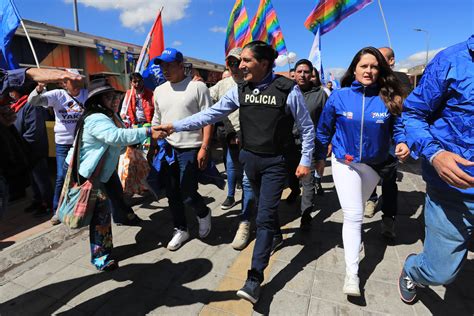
[{"x": 153, "y": 46}]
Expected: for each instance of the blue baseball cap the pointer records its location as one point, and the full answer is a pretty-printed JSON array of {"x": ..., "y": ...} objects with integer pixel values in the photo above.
[{"x": 168, "y": 56}]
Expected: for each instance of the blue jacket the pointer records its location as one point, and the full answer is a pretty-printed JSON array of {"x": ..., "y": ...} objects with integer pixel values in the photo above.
[
  {"x": 439, "y": 113},
  {"x": 30, "y": 123},
  {"x": 100, "y": 133},
  {"x": 359, "y": 125}
]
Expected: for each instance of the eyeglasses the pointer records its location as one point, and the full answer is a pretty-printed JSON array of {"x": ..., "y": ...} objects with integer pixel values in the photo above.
[{"x": 233, "y": 63}]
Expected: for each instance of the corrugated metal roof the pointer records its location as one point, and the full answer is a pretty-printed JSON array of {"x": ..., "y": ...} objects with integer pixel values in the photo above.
[{"x": 53, "y": 34}]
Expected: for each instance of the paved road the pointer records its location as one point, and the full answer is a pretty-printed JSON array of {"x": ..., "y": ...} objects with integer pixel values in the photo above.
[{"x": 305, "y": 276}]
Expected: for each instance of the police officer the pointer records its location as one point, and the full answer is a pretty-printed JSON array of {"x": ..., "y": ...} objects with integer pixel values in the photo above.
[{"x": 268, "y": 105}]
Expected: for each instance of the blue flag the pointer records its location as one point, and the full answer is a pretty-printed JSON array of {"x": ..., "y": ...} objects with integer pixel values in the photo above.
[
  {"x": 9, "y": 22},
  {"x": 153, "y": 76}
]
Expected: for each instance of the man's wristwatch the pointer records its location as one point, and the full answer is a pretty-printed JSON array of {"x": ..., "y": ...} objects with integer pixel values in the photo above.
[{"x": 206, "y": 148}]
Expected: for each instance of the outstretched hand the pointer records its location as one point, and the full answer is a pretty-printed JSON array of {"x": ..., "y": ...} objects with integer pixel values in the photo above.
[
  {"x": 51, "y": 75},
  {"x": 446, "y": 164}
]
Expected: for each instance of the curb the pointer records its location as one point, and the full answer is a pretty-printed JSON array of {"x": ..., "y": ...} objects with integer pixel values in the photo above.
[{"x": 35, "y": 245}]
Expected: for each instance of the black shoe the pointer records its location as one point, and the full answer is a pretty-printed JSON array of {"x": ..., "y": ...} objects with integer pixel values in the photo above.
[
  {"x": 406, "y": 287},
  {"x": 319, "y": 187},
  {"x": 276, "y": 243},
  {"x": 34, "y": 206},
  {"x": 306, "y": 220},
  {"x": 251, "y": 289},
  {"x": 293, "y": 196},
  {"x": 110, "y": 266},
  {"x": 228, "y": 203}
]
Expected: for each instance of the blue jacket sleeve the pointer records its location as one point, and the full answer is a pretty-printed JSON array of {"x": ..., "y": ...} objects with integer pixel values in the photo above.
[
  {"x": 421, "y": 105},
  {"x": 104, "y": 129},
  {"x": 326, "y": 128},
  {"x": 398, "y": 130},
  {"x": 12, "y": 79}
]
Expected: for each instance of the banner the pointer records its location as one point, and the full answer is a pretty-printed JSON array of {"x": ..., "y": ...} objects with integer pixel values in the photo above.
[
  {"x": 116, "y": 54},
  {"x": 100, "y": 52}
]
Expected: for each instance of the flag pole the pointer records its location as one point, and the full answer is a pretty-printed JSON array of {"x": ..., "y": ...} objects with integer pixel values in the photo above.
[
  {"x": 26, "y": 33},
  {"x": 385, "y": 24}
]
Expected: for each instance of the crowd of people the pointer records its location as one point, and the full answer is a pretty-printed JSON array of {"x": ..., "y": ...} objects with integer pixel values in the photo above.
[{"x": 276, "y": 132}]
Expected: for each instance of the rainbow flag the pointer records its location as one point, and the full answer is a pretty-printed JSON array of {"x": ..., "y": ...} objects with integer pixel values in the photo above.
[
  {"x": 238, "y": 30},
  {"x": 265, "y": 27},
  {"x": 329, "y": 13}
]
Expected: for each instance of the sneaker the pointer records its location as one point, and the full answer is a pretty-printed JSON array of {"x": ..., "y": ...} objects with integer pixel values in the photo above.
[
  {"x": 407, "y": 287},
  {"x": 370, "y": 209},
  {"x": 293, "y": 196},
  {"x": 228, "y": 203},
  {"x": 351, "y": 285},
  {"x": 388, "y": 227},
  {"x": 306, "y": 220},
  {"x": 251, "y": 289},
  {"x": 319, "y": 187},
  {"x": 55, "y": 220},
  {"x": 131, "y": 220},
  {"x": 241, "y": 236},
  {"x": 276, "y": 243},
  {"x": 204, "y": 224},
  {"x": 179, "y": 237}
]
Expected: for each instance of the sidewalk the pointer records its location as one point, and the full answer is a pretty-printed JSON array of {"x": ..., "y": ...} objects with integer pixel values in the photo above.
[{"x": 305, "y": 276}]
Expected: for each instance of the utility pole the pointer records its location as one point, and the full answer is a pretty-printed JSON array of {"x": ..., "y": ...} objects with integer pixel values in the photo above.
[{"x": 76, "y": 17}]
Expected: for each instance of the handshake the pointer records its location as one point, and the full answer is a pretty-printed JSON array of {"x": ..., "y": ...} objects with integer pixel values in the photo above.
[{"x": 161, "y": 131}]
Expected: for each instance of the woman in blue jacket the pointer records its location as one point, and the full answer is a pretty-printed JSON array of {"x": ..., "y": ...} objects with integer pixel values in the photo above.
[
  {"x": 360, "y": 120},
  {"x": 102, "y": 135}
]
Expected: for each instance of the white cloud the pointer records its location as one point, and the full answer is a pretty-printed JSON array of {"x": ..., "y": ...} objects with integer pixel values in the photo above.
[
  {"x": 417, "y": 59},
  {"x": 218, "y": 29},
  {"x": 176, "y": 43},
  {"x": 211, "y": 12},
  {"x": 135, "y": 14}
]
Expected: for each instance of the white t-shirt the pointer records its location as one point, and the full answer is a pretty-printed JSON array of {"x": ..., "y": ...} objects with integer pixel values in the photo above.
[
  {"x": 175, "y": 101},
  {"x": 66, "y": 111}
]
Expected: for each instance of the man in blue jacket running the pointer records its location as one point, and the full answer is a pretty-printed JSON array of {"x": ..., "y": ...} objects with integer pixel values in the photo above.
[{"x": 439, "y": 121}]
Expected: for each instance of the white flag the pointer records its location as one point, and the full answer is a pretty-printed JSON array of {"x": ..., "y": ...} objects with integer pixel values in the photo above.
[{"x": 315, "y": 55}]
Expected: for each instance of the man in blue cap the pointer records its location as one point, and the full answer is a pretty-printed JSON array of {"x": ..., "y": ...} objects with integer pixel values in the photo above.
[{"x": 176, "y": 99}]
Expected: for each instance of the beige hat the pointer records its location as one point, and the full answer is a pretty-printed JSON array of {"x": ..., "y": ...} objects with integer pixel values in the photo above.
[{"x": 234, "y": 52}]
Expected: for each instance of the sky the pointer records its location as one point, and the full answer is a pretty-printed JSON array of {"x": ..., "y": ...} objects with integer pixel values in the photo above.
[{"x": 197, "y": 27}]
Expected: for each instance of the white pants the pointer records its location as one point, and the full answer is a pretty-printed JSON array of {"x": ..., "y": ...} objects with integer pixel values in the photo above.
[{"x": 354, "y": 184}]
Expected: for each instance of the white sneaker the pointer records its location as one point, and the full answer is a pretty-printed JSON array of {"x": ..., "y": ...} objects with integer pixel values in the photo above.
[
  {"x": 179, "y": 237},
  {"x": 204, "y": 225},
  {"x": 351, "y": 285},
  {"x": 241, "y": 236}
]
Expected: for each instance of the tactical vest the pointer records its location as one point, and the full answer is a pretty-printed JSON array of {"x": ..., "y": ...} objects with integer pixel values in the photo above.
[{"x": 264, "y": 124}]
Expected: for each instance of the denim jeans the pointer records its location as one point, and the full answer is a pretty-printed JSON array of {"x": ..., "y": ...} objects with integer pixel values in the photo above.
[
  {"x": 309, "y": 189},
  {"x": 116, "y": 203},
  {"x": 61, "y": 154},
  {"x": 449, "y": 224},
  {"x": 41, "y": 184},
  {"x": 247, "y": 199},
  {"x": 181, "y": 183},
  {"x": 267, "y": 175},
  {"x": 234, "y": 168}
]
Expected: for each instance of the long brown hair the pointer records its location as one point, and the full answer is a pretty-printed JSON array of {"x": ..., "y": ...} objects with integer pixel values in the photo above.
[{"x": 391, "y": 91}]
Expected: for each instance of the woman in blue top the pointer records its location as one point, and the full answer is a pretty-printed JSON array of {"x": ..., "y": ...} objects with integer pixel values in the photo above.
[
  {"x": 102, "y": 135},
  {"x": 360, "y": 120}
]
